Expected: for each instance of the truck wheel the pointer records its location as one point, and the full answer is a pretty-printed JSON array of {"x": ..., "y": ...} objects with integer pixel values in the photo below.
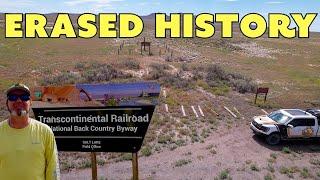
[{"x": 273, "y": 139}]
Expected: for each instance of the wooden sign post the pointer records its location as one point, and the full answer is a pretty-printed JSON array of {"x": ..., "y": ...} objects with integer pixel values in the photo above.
[
  {"x": 94, "y": 166},
  {"x": 261, "y": 91},
  {"x": 144, "y": 44},
  {"x": 135, "y": 171}
]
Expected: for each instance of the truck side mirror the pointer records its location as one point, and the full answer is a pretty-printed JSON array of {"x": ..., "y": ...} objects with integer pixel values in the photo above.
[{"x": 290, "y": 125}]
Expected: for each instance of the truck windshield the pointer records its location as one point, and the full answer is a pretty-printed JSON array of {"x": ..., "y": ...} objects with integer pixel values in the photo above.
[{"x": 279, "y": 117}]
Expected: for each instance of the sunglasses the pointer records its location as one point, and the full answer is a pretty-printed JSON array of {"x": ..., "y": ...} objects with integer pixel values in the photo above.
[{"x": 24, "y": 97}]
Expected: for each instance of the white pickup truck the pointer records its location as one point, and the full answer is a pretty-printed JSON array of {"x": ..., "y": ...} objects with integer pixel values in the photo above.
[{"x": 286, "y": 124}]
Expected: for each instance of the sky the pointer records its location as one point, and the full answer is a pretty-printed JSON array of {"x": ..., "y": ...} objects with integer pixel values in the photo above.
[{"x": 146, "y": 7}]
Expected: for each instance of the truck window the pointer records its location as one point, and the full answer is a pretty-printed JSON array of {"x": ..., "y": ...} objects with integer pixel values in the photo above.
[
  {"x": 278, "y": 117},
  {"x": 310, "y": 122},
  {"x": 302, "y": 122}
]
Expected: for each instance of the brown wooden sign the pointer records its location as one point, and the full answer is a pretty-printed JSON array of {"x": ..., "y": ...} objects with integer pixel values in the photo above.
[
  {"x": 261, "y": 90},
  {"x": 144, "y": 44}
]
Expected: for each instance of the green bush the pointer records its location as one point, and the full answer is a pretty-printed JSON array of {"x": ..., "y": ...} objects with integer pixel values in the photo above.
[
  {"x": 224, "y": 174},
  {"x": 176, "y": 81},
  {"x": 289, "y": 170},
  {"x": 146, "y": 151},
  {"x": 155, "y": 74},
  {"x": 286, "y": 150},
  {"x": 160, "y": 66},
  {"x": 64, "y": 78},
  {"x": 164, "y": 139},
  {"x": 182, "y": 162},
  {"x": 254, "y": 167},
  {"x": 305, "y": 173},
  {"x": 315, "y": 162},
  {"x": 102, "y": 73},
  {"x": 126, "y": 156},
  {"x": 268, "y": 177},
  {"x": 270, "y": 168},
  {"x": 79, "y": 66},
  {"x": 132, "y": 64}
]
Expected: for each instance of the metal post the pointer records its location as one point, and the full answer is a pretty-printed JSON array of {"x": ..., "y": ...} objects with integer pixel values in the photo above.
[
  {"x": 255, "y": 100},
  {"x": 144, "y": 43},
  {"x": 94, "y": 166},
  {"x": 135, "y": 171},
  {"x": 141, "y": 49}
]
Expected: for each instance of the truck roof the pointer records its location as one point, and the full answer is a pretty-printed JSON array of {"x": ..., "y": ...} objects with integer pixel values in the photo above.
[{"x": 297, "y": 113}]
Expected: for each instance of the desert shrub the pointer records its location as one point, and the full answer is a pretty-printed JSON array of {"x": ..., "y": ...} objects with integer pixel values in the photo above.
[
  {"x": 158, "y": 71},
  {"x": 270, "y": 168},
  {"x": 185, "y": 67},
  {"x": 176, "y": 82},
  {"x": 126, "y": 157},
  {"x": 146, "y": 151},
  {"x": 289, "y": 171},
  {"x": 180, "y": 142},
  {"x": 305, "y": 173},
  {"x": 220, "y": 90},
  {"x": 85, "y": 163},
  {"x": 156, "y": 74},
  {"x": 215, "y": 72},
  {"x": 160, "y": 66},
  {"x": 101, "y": 161},
  {"x": 131, "y": 64},
  {"x": 102, "y": 73},
  {"x": 63, "y": 78},
  {"x": 67, "y": 165},
  {"x": 286, "y": 150},
  {"x": 198, "y": 74},
  {"x": 268, "y": 177},
  {"x": 224, "y": 174},
  {"x": 79, "y": 66},
  {"x": 216, "y": 76},
  {"x": 164, "y": 139},
  {"x": 243, "y": 85},
  {"x": 274, "y": 155},
  {"x": 254, "y": 167},
  {"x": 172, "y": 147},
  {"x": 315, "y": 162},
  {"x": 182, "y": 162},
  {"x": 94, "y": 65}
]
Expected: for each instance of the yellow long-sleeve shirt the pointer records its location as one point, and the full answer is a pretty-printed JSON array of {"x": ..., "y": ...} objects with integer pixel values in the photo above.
[{"x": 29, "y": 153}]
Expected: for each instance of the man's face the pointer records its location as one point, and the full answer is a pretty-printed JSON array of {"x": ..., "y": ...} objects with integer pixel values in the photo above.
[{"x": 19, "y": 107}]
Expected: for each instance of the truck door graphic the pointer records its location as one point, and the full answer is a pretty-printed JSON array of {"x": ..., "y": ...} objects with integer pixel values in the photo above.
[{"x": 302, "y": 128}]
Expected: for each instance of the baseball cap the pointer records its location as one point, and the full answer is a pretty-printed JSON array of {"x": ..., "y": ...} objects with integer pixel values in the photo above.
[{"x": 17, "y": 86}]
